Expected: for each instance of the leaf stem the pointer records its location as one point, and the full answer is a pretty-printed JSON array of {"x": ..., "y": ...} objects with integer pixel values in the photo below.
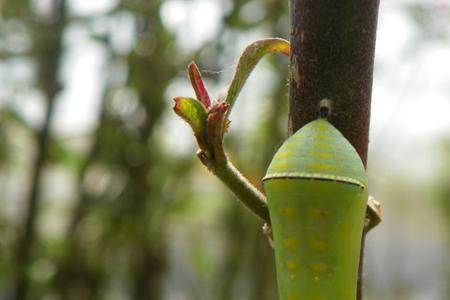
[{"x": 241, "y": 187}]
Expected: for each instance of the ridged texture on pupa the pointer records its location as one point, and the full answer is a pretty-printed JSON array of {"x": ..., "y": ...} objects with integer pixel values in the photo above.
[
  {"x": 316, "y": 191},
  {"x": 318, "y": 150}
]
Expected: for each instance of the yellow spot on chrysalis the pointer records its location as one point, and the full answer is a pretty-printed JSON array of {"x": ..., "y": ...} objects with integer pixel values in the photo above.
[
  {"x": 319, "y": 145},
  {"x": 290, "y": 243},
  {"x": 323, "y": 137},
  {"x": 292, "y": 297},
  {"x": 320, "y": 267},
  {"x": 322, "y": 167},
  {"x": 288, "y": 212},
  {"x": 316, "y": 278},
  {"x": 286, "y": 154},
  {"x": 291, "y": 265},
  {"x": 343, "y": 293},
  {"x": 316, "y": 213},
  {"x": 322, "y": 127},
  {"x": 281, "y": 165},
  {"x": 324, "y": 155},
  {"x": 318, "y": 245}
]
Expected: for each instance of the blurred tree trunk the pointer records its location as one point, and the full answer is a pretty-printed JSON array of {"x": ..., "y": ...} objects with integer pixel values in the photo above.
[
  {"x": 332, "y": 56},
  {"x": 150, "y": 73},
  {"x": 47, "y": 50},
  {"x": 75, "y": 278},
  {"x": 134, "y": 229}
]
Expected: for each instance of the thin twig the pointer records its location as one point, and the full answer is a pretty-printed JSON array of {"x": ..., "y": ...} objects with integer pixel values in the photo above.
[{"x": 246, "y": 192}]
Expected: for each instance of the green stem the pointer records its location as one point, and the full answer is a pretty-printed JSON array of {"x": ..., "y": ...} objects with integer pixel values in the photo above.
[{"x": 245, "y": 191}]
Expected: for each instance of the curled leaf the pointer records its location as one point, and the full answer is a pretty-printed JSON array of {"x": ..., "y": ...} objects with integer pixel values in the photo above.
[
  {"x": 193, "y": 112},
  {"x": 248, "y": 60},
  {"x": 199, "y": 86}
]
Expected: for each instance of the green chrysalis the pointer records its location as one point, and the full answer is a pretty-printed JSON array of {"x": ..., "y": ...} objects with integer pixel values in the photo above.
[{"x": 316, "y": 189}]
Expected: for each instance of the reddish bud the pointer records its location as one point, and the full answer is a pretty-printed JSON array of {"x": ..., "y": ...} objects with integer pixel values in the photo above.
[{"x": 198, "y": 84}]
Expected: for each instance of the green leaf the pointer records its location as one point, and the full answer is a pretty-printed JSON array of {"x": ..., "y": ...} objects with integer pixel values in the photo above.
[
  {"x": 194, "y": 113},
  {"x": 248, "y": 60}
]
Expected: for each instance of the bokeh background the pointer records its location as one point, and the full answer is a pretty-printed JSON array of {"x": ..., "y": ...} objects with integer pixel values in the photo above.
[{"x": 101, "y": 196}]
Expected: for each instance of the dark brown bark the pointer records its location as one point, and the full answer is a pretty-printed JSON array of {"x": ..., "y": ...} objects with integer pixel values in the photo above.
[
  {"x": 333, "y": 45},
  {"x": 332, "y": 55}
]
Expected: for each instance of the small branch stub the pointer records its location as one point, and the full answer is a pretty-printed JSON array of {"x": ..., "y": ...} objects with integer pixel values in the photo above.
[
  {"x": 324, "y": 108},
  {"x": 373, "y": 213}
]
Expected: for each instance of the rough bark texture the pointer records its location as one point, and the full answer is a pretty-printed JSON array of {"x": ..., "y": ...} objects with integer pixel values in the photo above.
[{"x": 332, "y": 55}]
